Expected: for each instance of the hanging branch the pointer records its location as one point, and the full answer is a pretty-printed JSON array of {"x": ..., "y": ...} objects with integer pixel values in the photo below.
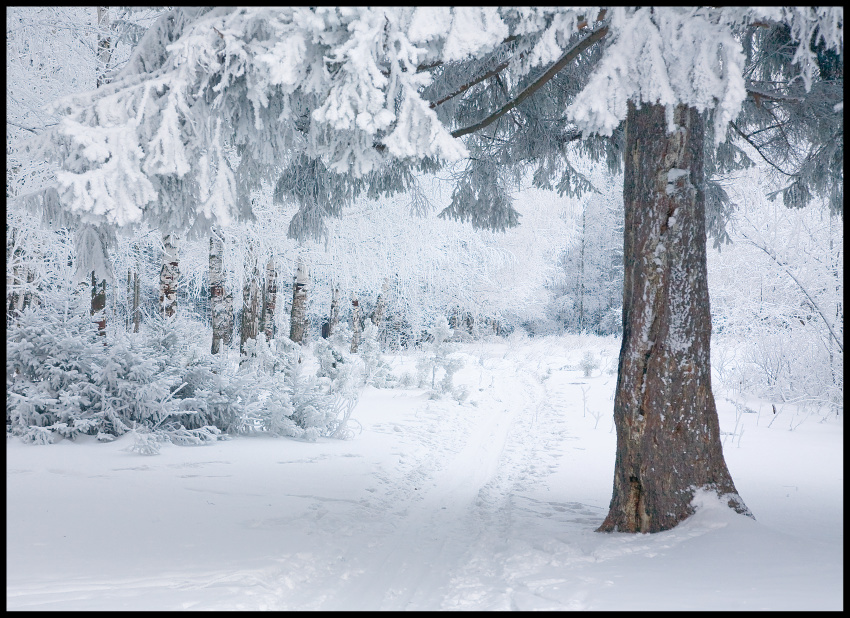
[
  {"x": 758, "y": 150},
  {"x": 571, "y": 55}
]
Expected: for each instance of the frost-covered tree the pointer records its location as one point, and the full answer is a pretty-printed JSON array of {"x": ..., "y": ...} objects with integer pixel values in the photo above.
[{"x": 230, "y": 97}]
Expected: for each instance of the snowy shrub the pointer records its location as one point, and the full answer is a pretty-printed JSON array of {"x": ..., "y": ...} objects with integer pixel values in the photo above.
[
  {"x": 50, "y": 359},
  {"x": 588, "y": 363},
  {"x": 337, "y": 363},
  {"x": 376, "y": 371},
  {"x": 436, "y": 357}
]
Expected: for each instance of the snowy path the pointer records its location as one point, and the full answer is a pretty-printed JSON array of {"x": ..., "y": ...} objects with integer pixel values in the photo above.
[
  {"x": 434, "y": 505},
  {"x": 441, "y": 507}
]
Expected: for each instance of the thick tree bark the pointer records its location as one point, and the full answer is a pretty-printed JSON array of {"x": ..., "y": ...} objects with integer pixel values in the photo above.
[
  {"x": 250, "y": 310},
  {"x": 218, "y": 309},
  {"x": 269, "y": 300},
  {"x": 668, "y": 434},
  {"x": 298, "y": 320},
  {"x": 168, "y": 276}
]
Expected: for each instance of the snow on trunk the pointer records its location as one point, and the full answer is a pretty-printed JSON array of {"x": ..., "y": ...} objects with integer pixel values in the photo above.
[
  {"x": 218, "y": 306},
  {"x": 269, "y": 299},
  {"x": 168, "y": 275},
  {"x": 668, "y": 434},
  {"x": 98, "y": 304},
  {"x": 380, "y": 306},
  {"x": 333, "y": 321},
  {"x": 298, "y": 320},
  {"x": 356, "y": 322},
  {"x": 250, "y": 310}
]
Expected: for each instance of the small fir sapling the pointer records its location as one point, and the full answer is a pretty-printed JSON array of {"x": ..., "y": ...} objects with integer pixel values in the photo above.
[
  {"x": 336, "y": 362},
  {"x": 436, "y": 356},
  {"x": 588, "y": 363},
  {"x": 376, "y": 371}
]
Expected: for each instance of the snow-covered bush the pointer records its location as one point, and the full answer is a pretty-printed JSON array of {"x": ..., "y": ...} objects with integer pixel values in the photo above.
[
  {"x": 337, "y": 363},
  {"x": 62, "y": 379},
  {"x": 588, "y": 363},
  {"x": 50, "y": 358},
  {"x": 436, "y": 357},
  {"x": 60, "y": 376},
  {"x": 376, "y": 371}
]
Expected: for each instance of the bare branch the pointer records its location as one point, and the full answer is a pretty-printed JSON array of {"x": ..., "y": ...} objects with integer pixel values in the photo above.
[{"x": 814, "y": 303}]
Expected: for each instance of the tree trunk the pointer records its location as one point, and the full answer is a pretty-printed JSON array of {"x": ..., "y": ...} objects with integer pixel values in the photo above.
[
  {"x": 98, "y": 304},
  {"x": 218, "y": 310},
  {"x": 168, "y": 276},
  {"x": 356, "y": 323},
  {"x": 334, "y": 318},
  {"x": 129, "y": 319},
  {"x": 227, "y": 332},
  {"x": 250, "y": 310},
  {"x": 15, "y": 282},
  {"x": 137, "y": 312},
  {"x": 298, "y": 321},
  {"x": 104, "y": 44},
  {"x": 269, "y": 300},
  {"x": 668, "y": 434},
  {"x": 581, "y": 272}
]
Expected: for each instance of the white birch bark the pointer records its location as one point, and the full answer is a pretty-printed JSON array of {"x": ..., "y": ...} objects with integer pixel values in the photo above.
[
  {"x": 270, "y": 300},
  {"x": 298, "y": 322},
  {"x": 356, "y": 322},
  {"x": 218, "y": 307},
  {"x": 168, "y": 275},
  {"x": 333, "y": 322},
  {"x": 250, "y": 310}
]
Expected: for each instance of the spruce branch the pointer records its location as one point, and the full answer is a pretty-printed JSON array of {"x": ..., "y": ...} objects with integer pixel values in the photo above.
[
  {"x": 758, "y": 150},
  {"x": 566, "y": 59}
]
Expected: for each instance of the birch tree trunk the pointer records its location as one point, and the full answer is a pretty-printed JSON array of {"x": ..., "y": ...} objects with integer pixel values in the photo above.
[
  {"x": 298, "y": 320},
  {"x": 168, "y": 276},
  {"x": 14, "y": 281},
  {"x": 581, "y": 272},
  {"x": 104, "y": 44},
  {"x": 98, "y": 304},
  {"x": 250, "y": 310},
  {"x": 334, "y": 317},
  {"x": 356, "y": 322},
  {"x": 218, "y": 310},
  {"x": 98, "y": 288},
  {"x": 380, "y": 306},
  {"x": 128, "y": 321},
  {"x": 227, "y": 328},
  {"x": 269, "y": 300},
  {"x": 668, "y": 434},
  {"x": 137, "y": 312}
]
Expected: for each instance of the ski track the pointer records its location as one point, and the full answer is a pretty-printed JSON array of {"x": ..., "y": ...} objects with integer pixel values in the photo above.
[{"x": 458, "y": 501}]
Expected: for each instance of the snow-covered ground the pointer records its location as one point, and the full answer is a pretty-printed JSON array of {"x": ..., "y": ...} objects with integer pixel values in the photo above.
[{"x": 486, "y": 504}]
